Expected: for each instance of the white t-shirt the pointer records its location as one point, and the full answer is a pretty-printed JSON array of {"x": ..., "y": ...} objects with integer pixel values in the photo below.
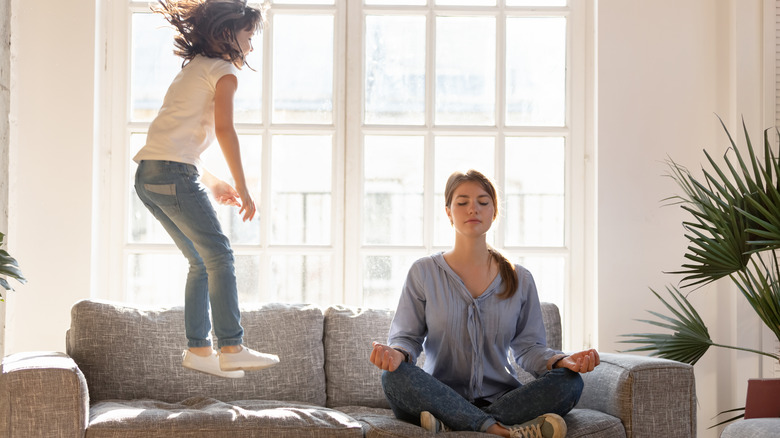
[{"x": 184, "y": 126}]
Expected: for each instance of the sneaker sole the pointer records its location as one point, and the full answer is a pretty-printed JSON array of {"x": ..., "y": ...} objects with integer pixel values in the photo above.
[
  {"x": 253, "y": 368},
  {"x": 236, "y": 376},
  {"x": 558, "y": 424},
  {"x": 428, "y": 422}
]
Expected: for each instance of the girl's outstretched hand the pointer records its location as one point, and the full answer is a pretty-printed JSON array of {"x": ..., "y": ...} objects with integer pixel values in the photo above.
[
  {"x": 581, "y": 362},
  {"x": 386, "y": 357},
  {"x": 225, "y": 194},
  {"x": 248, "y": 208}
]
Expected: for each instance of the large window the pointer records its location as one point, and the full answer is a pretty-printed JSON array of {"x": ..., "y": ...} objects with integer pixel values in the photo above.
[{"x": 353, "y": 117}]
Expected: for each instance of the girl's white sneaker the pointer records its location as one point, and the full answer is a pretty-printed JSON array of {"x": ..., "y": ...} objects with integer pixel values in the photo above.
[
  {"x": 246, "y": 359},
  {"x": 208, "y": 365}
]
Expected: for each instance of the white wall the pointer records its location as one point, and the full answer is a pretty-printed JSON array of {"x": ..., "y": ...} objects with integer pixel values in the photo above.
[
  {"x": 50, "y": 204},
  {"x": 664, "y": 67}
]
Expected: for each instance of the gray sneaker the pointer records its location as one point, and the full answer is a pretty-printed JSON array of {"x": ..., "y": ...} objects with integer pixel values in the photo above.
[
  {"x": 431, "y": 423},
  {"x": 543, "y": 426}
]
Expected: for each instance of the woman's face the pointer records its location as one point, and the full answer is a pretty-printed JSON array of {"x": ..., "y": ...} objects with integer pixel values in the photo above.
[{"x": 472, "y": 210}]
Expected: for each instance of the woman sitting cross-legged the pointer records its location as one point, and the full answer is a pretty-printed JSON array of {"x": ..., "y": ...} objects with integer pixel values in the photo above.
[{"x": 468, "y": 309}]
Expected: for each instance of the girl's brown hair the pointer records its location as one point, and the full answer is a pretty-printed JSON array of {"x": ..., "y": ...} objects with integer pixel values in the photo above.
[
  {"x": 505, "y": 267},
  {"x": 209, "y": 27}
]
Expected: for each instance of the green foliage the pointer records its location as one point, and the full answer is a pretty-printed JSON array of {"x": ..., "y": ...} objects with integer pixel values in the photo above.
[
  {"x": 9, "y": 267},
  {"x": 733, "y": 233}
]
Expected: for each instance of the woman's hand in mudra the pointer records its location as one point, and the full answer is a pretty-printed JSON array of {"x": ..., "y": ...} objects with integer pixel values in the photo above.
[
  {"x": 582, "y": 362},
  {"x": 386, "y": 357}
]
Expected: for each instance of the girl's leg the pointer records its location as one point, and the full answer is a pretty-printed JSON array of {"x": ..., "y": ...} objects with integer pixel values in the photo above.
[
  {"x": 177, "y": 199},
  {"x": 410, "y": 391},
  {"x": 555, "y": 392}
]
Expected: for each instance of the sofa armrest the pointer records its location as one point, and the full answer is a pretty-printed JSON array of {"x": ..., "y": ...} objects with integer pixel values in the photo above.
[
  {"x": 652, "y": 397},
  {"x": 42, "y": 394}
]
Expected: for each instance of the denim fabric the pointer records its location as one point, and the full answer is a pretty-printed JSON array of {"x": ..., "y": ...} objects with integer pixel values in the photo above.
[
  {"x": 410, "y": 390},
  {"x": 173, "y": 193}
]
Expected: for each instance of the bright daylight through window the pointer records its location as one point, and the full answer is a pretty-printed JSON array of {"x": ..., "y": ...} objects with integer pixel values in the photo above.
[{"x": 351, "y": 119}]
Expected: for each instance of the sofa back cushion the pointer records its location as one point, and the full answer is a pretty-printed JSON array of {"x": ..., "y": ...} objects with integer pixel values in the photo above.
[
  {"x": 352, "y": 379},
  {"x": 349, "y": 332},
  {"x": 127, "y": 352}
]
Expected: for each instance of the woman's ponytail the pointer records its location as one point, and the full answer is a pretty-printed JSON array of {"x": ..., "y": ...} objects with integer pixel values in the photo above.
[{"x": 508, "y": 273}]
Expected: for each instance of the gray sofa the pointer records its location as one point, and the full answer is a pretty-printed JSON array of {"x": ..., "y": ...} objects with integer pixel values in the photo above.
[{"x": 122, "y": 377}]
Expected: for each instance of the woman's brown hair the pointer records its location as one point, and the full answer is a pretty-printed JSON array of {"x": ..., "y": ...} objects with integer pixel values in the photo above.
[
  {"x": 505, "y": 267},
  {"x": 209, "y": 27}
]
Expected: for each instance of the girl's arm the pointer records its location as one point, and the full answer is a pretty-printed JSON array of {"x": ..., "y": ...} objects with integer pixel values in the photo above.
[
  {"x": 228, "y": 140},
  {"x": 223, "y": 192}
]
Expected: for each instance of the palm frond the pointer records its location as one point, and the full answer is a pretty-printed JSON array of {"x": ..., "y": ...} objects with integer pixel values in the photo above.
[
  {"x": 689, "y": 339},
  {"x": 9, "y": 267}
]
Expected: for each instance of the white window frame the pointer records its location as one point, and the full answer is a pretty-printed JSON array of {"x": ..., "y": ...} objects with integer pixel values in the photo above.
[{"x": 112, "y": 192}]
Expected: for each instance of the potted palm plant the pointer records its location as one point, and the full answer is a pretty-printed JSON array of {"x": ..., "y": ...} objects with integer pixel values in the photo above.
[
  {"x": 733, "y": 233},
  {"x": 9, "y": 267}
]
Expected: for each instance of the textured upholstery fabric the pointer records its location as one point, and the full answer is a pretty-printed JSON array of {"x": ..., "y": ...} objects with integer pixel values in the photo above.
[
  {"x": 130, "y": 353},
  {"x": 206, "y": 417},
  {"x": 352, "y": 378},
  {"x": 552, "y": 325},
  {"x": 43, "y": 394},
  {"x": 635, "y": 388},
  {"x": 582, "y": 423},
  {"x": 753, "y": 428},
  {"x": 130, "y": 358}
]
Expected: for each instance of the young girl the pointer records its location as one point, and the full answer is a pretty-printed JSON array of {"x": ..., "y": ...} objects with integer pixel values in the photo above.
[
  {"x": 214, "y": 36},
  {"x": 468, "y": 309}
]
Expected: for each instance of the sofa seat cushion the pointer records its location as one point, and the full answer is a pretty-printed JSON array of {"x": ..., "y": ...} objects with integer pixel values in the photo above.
[
  {"x": 207, "y": 417},
  {"x": 753, "y": 428},
  {"x": 581, "y": 423},
  {"x": 133, "y": 353}
]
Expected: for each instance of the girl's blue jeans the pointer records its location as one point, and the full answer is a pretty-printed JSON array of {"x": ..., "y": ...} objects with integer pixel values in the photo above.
[
  {"x": 174, "y": 194},
  {"x": 410, "y": 390}
]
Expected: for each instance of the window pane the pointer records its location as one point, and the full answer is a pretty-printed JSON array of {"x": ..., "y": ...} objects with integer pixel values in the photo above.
[
  {"x": 383, "y": 279},
  {"x": 393, "y": 190},
  {"x": 159, "y": 279},
  {"x": 536, "y": 2},
  {"x": 301, "y": 185},
  {"x": 457, "y": 154},
  {"x": 536, "y": 71},
  {"x": 549, "y": 274},
  {"x": 534, "y": 191},
  {"x": 465, "y": 70},
  {"x": 248, "y": 101},
  {"x": 396, "y": 2},
  {"x": 303, "y": 2},
  {"x": 153, "y": 65},
  {"x": 303, "y": 69},
  {"x": 301, "y": 279},
  {"x": 233, "y": 225},
  {"x": 395, "y": 70},
  {"x": 466, "y": 2}
]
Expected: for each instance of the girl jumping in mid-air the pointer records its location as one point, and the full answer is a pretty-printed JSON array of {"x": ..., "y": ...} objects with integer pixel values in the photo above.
[{"x": 214, "y": 36}]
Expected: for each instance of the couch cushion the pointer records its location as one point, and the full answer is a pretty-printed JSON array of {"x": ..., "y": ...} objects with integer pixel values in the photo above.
[
  {"x": 206, "y": 417},
  {"x": 753, "y": 428},
  {"x": 552, "y": 325},
  {"x": 581, "y": 423},
  {"x": 352, "y": 378},
  {"x": 127, "y": 352}
]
